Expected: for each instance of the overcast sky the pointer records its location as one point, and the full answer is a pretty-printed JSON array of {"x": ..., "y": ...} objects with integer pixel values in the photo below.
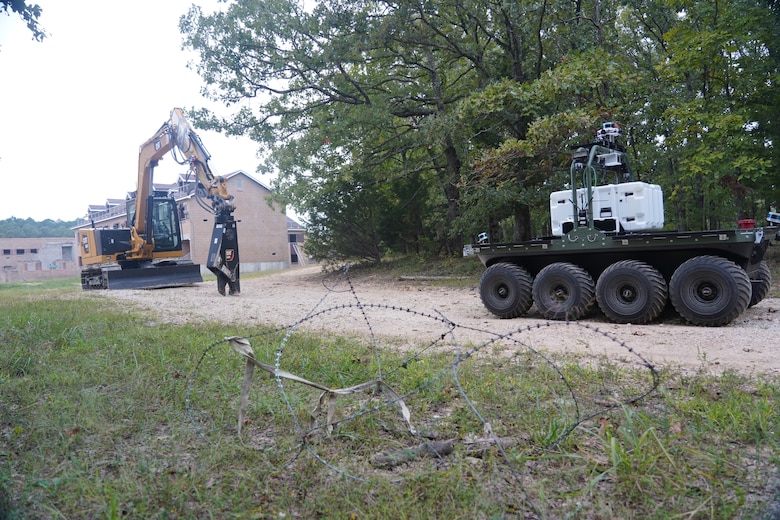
[{"x": 75, "y": 108}]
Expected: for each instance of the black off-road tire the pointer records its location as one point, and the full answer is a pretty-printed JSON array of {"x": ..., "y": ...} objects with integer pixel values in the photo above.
[
  {"x": 563, "y": 291},
  {"x": 631, "y": 291},
  {"x": 761, "y": 280},
  {"x": 505, "y": 290},
  {"x": 709, "y": 290}
]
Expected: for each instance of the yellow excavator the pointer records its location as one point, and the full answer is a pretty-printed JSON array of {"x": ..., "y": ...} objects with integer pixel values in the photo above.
[{"x": 146, "y": 254}]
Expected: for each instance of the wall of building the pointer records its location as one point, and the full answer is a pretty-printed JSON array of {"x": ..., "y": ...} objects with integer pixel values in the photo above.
[{"x": 25, "y": 259}]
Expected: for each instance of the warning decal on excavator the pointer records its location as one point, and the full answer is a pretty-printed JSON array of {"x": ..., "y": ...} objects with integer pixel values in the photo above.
[{"x": 229, "y": 255}]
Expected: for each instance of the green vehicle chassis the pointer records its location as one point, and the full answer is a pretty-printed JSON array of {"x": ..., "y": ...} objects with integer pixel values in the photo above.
[{"x": 711, "y": 277}]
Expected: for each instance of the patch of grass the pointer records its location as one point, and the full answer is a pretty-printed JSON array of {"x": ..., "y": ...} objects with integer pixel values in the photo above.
[
  {"x": 40, "y": 287},
  {"x": 105, "y": 416},
  {"x": 6, "y": 508}
]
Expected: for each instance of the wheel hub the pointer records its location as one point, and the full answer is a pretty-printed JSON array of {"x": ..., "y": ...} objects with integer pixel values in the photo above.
[
  {"x": 707, "y": 292},
  {"x": 628, "y": 293},
  {"x": 560, "y": 293}
]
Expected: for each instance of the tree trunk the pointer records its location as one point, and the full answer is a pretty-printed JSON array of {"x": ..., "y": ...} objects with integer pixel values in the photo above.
[
  {"x": 449, "y": 177},
  {"x": 522, "y": 227}
]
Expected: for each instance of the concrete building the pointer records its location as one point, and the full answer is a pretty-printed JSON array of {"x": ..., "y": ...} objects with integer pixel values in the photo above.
[
  {"x": 268, "y": 239},
  {"x": 25, "y": 259}
]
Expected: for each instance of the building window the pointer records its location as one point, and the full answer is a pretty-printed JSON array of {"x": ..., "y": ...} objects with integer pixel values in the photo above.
[
  {"x": 33, "y": 251},
  {"x": 6, "y": 251},
  {"x": 67, "y": 252},
  {"x": 293, "y": 238},
  {"x": 239, "y": 184},
  {"x": 20, "y": 251}
]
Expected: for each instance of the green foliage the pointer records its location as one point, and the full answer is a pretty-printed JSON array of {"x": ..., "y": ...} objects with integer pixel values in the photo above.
[
  {"x": 411, "y": 127},
  {"x": 713, "y": 135},
  {"x": 29, "y": 13},
  {"x": 28, "y": 228}
]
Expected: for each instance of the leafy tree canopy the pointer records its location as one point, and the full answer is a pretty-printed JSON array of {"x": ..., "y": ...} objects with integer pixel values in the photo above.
[
  {"x": 28, "y": 228},
  {"x": 30, "y": 13},
  {"x": 412, "y": 126}
]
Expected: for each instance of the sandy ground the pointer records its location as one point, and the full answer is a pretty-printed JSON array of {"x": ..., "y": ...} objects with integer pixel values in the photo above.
[{"x": 399, "y": 312}]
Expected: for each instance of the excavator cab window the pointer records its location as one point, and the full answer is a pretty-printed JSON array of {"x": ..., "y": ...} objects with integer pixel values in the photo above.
[{"x": 165, "y": 224}]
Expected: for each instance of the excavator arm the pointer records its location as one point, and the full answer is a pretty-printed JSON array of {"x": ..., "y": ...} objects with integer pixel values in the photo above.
[
  {"x": 189, "y": 144},
  {"x": 212, "y": 194}
]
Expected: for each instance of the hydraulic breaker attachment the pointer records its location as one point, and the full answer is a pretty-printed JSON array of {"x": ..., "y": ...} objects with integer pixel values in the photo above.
[{"x": 223, "y": 254}]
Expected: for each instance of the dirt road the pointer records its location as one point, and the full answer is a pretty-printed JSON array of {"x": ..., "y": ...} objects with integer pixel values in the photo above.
[{"x": 417, "y": 312}]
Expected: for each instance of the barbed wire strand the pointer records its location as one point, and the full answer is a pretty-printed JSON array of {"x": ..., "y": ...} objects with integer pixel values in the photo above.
[{"x": 460, "y": 356}]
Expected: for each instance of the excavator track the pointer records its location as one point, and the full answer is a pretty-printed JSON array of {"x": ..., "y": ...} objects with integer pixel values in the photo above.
[{"x": 157, "y": 277}]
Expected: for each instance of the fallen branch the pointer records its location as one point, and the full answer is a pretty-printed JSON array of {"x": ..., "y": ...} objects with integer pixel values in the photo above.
[
  {"x": 392, "y": 458},
  {"x": 327, "y": 399}
]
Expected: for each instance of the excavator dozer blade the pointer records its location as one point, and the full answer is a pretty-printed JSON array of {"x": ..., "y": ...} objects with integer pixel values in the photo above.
[{"x": 154, "y": 277}]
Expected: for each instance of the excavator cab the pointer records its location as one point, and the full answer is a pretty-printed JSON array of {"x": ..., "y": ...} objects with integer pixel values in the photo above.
[
  {"x": 160, "y": 269},
  {"x": 162, "y": 214}
]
